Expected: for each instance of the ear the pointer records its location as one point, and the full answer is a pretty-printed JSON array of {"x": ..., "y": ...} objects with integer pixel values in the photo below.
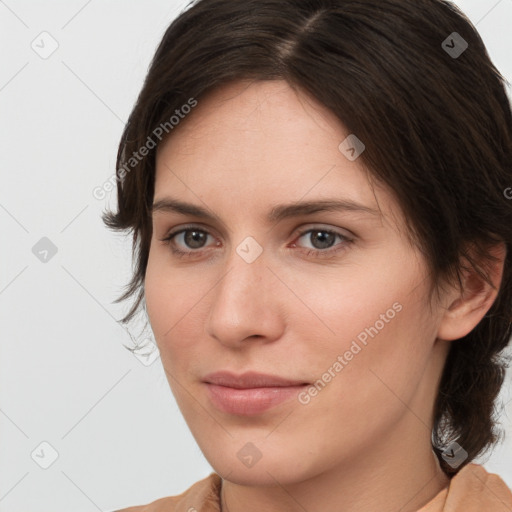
[{"x": 466, "y": 308}]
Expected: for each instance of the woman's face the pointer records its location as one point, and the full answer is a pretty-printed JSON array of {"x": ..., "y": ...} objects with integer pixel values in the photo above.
[{"x": 274, "y": 283}]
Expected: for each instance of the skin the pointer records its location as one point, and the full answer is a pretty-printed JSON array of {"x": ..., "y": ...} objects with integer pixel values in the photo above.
[{"x": 363, "y": 442}]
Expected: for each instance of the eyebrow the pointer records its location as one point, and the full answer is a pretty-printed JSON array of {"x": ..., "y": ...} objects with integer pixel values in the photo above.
[{"x": 276, "y": 214}]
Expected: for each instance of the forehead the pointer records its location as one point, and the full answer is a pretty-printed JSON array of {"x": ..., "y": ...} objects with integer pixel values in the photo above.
[
  {"x": 261, "y": 111},
  {"x": 261, "y": 142}
]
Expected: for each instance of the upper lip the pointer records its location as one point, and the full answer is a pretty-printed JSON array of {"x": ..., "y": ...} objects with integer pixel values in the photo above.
[{"x": 249, "y": 380}]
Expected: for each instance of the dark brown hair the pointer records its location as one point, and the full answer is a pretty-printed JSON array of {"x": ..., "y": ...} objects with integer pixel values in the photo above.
[{"x": 437, "y": 128}]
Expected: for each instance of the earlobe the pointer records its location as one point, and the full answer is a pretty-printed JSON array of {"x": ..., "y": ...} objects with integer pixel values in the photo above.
[{"x": 468, "y": 306}]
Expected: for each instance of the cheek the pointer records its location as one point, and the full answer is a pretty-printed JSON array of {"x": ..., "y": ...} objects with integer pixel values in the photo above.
[
  {"x": 384, "y": 370},
  {"x": 174, "y": 302},
  {"x": 357, "y": 302},
  {"x": 162, "y": 295},
  {"x": 369, "y": 321},
  {"x": 156, "y": 294}
]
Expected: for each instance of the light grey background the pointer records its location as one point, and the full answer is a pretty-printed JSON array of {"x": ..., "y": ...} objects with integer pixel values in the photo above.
[{"x": 65, "y": 377}]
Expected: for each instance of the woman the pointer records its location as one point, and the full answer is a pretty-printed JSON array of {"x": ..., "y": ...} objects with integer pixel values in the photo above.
[{"x": 316, "y": 193}]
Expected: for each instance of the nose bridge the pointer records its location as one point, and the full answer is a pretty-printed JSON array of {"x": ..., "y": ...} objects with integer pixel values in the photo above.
[
  {"x": 242, "y": 304},
  {"x": 246, "y": 277}
]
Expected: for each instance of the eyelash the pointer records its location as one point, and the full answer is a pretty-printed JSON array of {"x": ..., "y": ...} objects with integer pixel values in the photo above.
[{"x": 322, "y": 253}]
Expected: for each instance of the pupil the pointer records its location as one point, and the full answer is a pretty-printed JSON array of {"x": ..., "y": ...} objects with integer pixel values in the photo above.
[
  {"x": 194, "y": 239},
  {"x": 325, "y": 239}
]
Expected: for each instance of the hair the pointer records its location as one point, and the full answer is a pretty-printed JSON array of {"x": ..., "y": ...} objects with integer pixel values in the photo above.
[{"x": 437, "y": 130}]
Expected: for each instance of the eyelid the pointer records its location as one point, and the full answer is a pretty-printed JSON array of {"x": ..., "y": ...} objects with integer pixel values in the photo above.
[
  {"x": 188, "y": 227},
  {"x": 343, "y": 232},
  {"x": 298, "y": 231}
]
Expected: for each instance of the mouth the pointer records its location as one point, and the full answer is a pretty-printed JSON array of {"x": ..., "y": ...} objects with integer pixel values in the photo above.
[{"x": 250, "y": 393}]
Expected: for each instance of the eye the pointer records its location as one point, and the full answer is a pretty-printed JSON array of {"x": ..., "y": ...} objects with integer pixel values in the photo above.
[
  {"x": 322, "y": 241},
  {"x": 188, "y": 241}
]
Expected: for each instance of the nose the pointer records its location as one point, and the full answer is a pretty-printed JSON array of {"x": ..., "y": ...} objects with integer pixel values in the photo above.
[{"x": 245, "y": 304}]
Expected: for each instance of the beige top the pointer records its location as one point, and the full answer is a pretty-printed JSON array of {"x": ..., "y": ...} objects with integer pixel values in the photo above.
[{"x": 472, "y": 489}]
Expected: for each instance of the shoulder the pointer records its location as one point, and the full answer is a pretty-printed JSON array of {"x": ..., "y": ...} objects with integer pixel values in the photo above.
[
  {"x": 203, "y": 496},
  {"x": 475, "y": 489}
]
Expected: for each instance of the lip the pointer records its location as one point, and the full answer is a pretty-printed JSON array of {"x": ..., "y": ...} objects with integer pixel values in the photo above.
[
  {"x": 250, "y": 393},
  {"x": 249, "y": 380}
]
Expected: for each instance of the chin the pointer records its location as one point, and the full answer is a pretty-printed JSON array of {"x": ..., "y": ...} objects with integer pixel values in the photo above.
[{"x": 266, "y": 471}]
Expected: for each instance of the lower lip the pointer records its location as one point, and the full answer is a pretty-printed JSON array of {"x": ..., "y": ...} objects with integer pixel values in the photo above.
[{"x": 250, "y": 401}]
